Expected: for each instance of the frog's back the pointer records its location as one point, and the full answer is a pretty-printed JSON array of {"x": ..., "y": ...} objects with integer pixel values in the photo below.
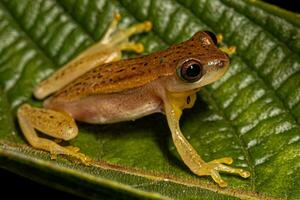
[
  {"x": 111, "y": 78},
  {"x": 129, "y": 73}
]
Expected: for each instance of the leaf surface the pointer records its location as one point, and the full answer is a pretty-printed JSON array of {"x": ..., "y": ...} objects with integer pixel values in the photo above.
[{"x": 251, "y": 114}]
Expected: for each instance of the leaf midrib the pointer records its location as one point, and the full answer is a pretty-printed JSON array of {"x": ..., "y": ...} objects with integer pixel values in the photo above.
[{"x": 8, "y": 149}]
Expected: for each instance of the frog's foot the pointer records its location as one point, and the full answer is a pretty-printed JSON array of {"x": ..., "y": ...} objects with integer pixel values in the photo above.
[
  {"x": 73, "y": 148},
  {"x": 115, "y": 36},
  {"x": 69, "y": 151},
  {"x": 213, "y": 168}
]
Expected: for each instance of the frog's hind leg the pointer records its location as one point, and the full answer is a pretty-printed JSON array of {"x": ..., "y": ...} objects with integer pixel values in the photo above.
[
  {"x": 106, "y": 50},
  {"x": 56, "y": 124}
]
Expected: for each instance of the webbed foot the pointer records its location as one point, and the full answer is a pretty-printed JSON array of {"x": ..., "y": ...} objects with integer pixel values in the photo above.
[
  {"x": 70, "y": 151},
  {"x": 213, "y": 168}
]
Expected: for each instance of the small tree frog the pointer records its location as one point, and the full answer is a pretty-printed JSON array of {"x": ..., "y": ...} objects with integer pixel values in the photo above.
[{"x": 98, "y": 87}]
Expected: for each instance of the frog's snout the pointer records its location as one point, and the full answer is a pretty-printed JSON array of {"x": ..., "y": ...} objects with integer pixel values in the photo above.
[{"x": 223, "y": 63}]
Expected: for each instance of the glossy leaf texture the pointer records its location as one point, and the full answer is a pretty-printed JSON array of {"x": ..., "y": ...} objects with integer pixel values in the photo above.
[{"x": 251, "y": 114}]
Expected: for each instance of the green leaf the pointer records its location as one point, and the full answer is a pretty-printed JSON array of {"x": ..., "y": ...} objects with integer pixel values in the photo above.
[{"x": 251, "y": 114}]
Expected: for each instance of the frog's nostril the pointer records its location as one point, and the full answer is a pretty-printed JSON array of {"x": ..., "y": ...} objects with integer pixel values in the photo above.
[{"x": 221, "y": 64}]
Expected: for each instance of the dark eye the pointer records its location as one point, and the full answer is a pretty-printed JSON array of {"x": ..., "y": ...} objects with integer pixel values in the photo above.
[
  {"x": 212, "y": 36},
  {"x": 190, "y": 71}
]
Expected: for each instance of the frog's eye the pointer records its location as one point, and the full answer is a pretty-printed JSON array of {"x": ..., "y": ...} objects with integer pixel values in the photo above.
[
  {"x": 190, "y": 71},
  {"x": 212, "y": 36}
]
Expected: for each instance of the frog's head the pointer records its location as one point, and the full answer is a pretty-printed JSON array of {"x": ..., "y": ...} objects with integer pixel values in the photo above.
[{"x": 198, "y": 63}]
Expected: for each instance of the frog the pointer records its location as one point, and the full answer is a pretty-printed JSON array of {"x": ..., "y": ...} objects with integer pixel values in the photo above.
[{"x": 99, "y": 87}]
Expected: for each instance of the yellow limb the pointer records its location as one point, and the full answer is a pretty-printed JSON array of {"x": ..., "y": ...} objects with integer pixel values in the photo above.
[
  {"x": 174, "y": 103},
  {"x": 131, "y": 46},
  {"x": 106, "y": 50},
  {"x": 53, "y": 123}
]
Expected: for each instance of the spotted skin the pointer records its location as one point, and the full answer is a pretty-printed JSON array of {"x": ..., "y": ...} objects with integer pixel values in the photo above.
[
  {"x": 129, "y": 89},
  {"x": 136, "y": 72}
]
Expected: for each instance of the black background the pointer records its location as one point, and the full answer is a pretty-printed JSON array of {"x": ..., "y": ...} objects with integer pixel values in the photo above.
[
  {"x": 292, "y": 5},
  {"x": 13, "y": 185}
]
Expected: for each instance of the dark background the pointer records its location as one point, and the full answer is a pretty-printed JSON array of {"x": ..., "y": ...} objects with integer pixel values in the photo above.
[
  {"x": 292, "y": 5},
  {"x": 13, "y": 185}
]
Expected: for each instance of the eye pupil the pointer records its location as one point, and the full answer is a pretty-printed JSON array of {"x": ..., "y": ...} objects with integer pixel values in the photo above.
[{"x": 191, "y": 71}]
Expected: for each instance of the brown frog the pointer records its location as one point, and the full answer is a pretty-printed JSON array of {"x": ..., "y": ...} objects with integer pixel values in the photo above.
[{"x": 98, "y": 87}]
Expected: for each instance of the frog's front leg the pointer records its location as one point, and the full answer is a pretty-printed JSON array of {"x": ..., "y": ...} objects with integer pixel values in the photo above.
[
  {"x": 173, "y": 110},
  {"x": 56, "y": 124},
  {"x": 106, "y": 50}
]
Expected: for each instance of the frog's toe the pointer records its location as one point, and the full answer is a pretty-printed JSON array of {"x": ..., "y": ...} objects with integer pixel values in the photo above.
[
  {"x": 74, "y": 152},
  {"x": 83, "y": 158},
  {"x": 228, "y": 50},
  {"x": 80, "y": 156},
  {"x": 130, "y": 46},
  {"x": 53, "y": 155},
  {"x": 225, "y": 160},
  {"x": 214, "y": 167},
  {"x": 217, "y": 178},
  {"x": 69, "y": 151},
  {"x": 231, "y": 170},
  {"x": 73, "y": 148}
]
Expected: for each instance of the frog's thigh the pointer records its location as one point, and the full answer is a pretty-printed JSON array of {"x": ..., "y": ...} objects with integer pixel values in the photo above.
[
  {"x": 56, "y": 124},
  {"x": 53, "y": 123}
]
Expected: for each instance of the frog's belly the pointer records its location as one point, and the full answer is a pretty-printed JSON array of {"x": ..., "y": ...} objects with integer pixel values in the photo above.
[{"x": 110, "y": 108}]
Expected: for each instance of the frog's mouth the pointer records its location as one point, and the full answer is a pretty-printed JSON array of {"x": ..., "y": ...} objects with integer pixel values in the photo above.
[{"x": 214, "y": 73}]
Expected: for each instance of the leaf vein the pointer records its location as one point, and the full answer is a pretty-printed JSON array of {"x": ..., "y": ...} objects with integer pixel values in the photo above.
[{"x": 35, "y": 44}]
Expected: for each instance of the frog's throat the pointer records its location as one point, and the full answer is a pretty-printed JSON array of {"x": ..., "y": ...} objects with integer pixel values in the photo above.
[{"x": 182, "y": 100}]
